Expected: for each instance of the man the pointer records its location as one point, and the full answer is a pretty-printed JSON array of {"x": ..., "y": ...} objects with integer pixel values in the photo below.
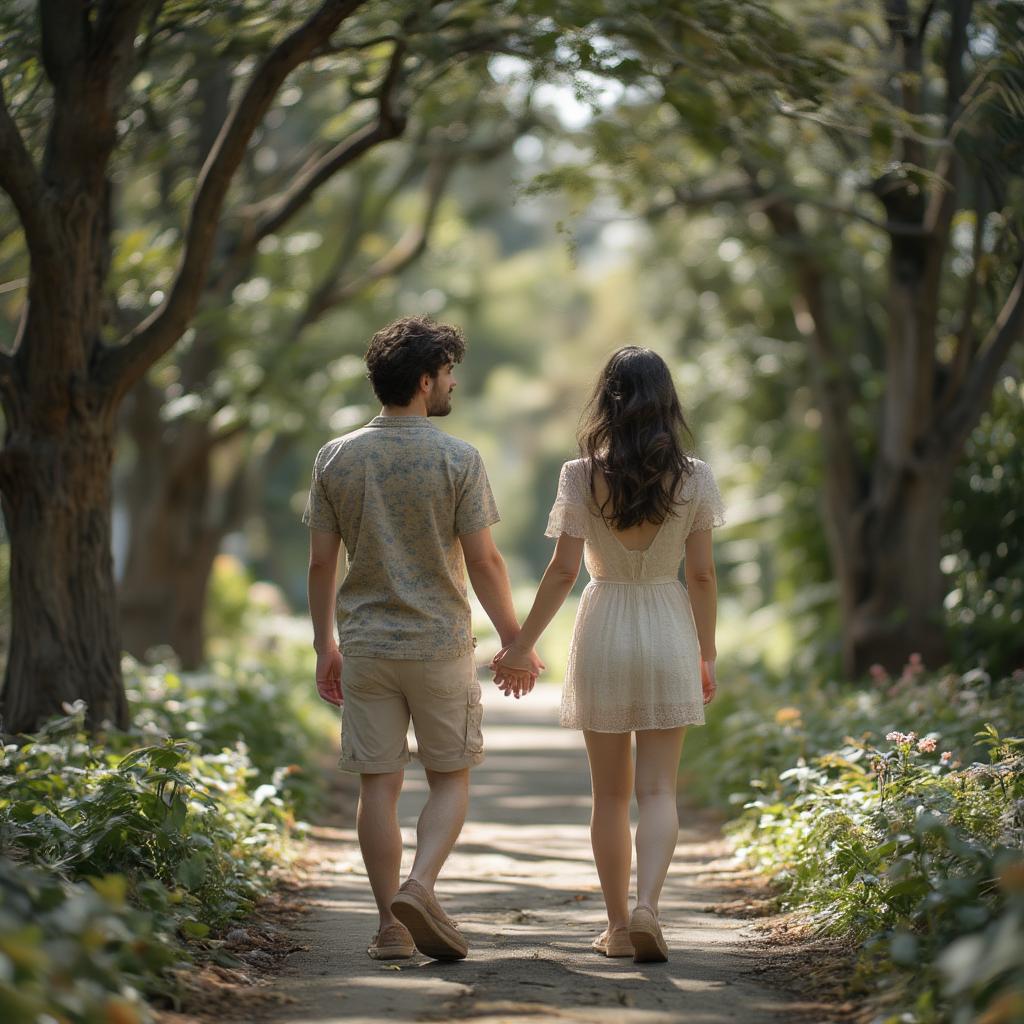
[{"x": 412, "y": 505}]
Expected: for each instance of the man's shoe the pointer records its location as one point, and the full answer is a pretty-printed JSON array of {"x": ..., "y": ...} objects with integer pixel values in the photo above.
[
  {"x": 433, "y": 931},
  {"x": 392, "y": 943}
]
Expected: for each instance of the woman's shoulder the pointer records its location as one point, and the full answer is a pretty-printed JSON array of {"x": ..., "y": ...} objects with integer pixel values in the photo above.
[
  {"x": 697, "y": 471},
  {"x": 574, "y": 481},
  {"x": 698, "y": 468}
]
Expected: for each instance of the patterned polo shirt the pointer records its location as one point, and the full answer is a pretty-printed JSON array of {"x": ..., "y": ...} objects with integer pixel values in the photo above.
[{"x": 400, "y": 492}]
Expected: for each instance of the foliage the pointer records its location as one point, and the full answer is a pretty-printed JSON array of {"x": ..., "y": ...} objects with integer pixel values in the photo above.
[
  {"x": 77, "y": 951},
  {"x": 257, "y": 710},
  {"x": 984, "y": 546},
  {"x": 911, "y": 844},
  {"x": 125, "y": 854}
]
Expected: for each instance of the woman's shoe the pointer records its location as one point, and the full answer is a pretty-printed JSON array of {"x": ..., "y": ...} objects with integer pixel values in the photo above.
[
  {"x": 645, "y": 935},
  {"x": 613, "y": 943}
]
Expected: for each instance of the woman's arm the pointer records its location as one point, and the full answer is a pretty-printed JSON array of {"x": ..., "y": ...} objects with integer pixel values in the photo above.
[
  {"x": 555, "y": 585},
  {"x": 702, "y": 586}
]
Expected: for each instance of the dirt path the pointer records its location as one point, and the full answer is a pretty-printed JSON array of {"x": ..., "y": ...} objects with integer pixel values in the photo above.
[{"x": 522, "y": 885}]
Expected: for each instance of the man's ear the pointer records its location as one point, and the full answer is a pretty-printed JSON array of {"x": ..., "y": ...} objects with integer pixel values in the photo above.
[{"x": 426, "y": 382}]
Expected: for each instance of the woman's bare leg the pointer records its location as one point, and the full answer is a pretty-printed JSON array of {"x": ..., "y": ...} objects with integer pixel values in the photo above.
[
  {"x": 657, "y": 766},
  {"x": 611, "y": 780}
]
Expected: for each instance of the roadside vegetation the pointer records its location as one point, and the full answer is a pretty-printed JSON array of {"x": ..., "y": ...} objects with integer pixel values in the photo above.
[
  {"x": 892, "y": 816},
  {"x": 125, "y": 857}
]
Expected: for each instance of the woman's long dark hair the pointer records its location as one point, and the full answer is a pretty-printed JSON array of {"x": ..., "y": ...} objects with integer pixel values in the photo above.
[{"x": 632, "y": 430}]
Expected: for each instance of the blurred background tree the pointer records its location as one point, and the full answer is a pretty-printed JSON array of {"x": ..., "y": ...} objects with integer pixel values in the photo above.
[{"x": 885, "y": 199}]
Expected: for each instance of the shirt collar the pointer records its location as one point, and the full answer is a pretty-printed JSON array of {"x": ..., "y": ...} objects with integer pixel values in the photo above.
[{"x": 392, "y": 422}]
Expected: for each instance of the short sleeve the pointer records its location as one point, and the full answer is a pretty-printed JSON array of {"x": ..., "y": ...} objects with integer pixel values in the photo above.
[
  {"x": 710, "y": 510},
  {"x": 570, "y": 513},
  {"x": 319, "y": 513},
  {"x": 475, "y": 507}
]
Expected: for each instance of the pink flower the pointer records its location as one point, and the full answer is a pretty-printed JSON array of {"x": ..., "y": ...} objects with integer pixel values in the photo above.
[
  {"x": 926, "y": 746},
  {"x": 878, "y": 673},
  {"x": 913, "y": 667},
  {"x": 900, "y": 737},
  {"x": 945, "y": 757}
]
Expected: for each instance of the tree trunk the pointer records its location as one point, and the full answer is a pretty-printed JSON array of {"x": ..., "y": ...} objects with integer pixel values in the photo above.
[
  {"x": 891, "y": 585},
  {"x": 179, "y": 515},
  {"x": 64, "y": 641},
  {"x": 163, "y": 593}
]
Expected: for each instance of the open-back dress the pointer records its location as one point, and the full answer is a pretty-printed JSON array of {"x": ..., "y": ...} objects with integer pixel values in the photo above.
[{"x": 634, "y": 660}]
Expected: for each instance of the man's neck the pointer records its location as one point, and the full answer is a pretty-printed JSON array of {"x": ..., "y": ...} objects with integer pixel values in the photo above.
[{"x": 418, "y": 408}]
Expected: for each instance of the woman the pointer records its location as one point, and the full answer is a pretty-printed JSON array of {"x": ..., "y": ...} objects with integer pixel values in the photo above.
[{"x": 642, "y": 656}]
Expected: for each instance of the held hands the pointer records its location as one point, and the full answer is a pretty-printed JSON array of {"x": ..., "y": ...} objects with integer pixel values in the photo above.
[
  {"x": 708, "y": 682},
  {"x": 516, "y": 670},
  {"x": 328, "y": 676}
]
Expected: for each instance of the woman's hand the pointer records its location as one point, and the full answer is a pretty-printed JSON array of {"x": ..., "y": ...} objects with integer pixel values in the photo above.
[
  {"x": 708, "y": 682},
  {"x": 515, "y": 670}
]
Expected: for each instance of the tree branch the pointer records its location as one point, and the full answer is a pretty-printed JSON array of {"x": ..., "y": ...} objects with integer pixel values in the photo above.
[
  {"x": 1007, "y": 329},
  {"x": 409, "y": 247},
  {"x": 123, "y": 366},
  {"x": 965, "y": 337},
  {"x": 20, "y": 179},
  {"x": 960, "y": 17},
  {"x": 698, "y": 198},
  {"x": 331, "y": 292},
  {"x": 922, "y": 23},
  {"x": 8, "y": 383},
  {"x": 389, "y": 124}
]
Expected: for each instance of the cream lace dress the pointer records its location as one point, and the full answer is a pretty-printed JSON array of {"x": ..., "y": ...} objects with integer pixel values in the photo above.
[{"x": 634, "y": 661}]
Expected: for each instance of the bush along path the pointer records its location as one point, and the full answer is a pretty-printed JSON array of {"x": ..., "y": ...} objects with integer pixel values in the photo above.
[
  {"x": 125, "y": 858},
  {"x": 891, "y": 818},
  {"x": 522, "y": 885}
]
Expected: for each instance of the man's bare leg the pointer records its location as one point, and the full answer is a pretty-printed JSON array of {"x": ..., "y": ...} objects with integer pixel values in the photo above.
[
  {"x": 380, "y": 838},
  {"x": 440, "y": 823}
]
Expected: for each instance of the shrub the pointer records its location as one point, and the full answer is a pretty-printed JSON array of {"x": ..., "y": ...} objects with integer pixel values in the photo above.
[
  {"x": 911, "y": 845},
  {"x": 126, "y": 853}
]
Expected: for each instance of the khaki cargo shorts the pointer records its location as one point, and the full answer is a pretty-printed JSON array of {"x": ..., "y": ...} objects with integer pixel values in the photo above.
[{"x": 381, "y": 695}]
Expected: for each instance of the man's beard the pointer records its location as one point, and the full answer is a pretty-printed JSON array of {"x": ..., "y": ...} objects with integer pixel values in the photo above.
[{"x": 439, "y": 403}]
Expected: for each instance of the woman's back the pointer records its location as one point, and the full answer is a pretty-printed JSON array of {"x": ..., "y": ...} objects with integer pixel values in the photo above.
[
  {"x": 634, "y": 659},
  {"x": 644, "y": 552}
]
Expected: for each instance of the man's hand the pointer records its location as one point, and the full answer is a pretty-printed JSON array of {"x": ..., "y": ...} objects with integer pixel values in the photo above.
[
  {"x": 707, "y": 680},
  {"x": 515, "y": 670},
  {"x": 328, "y": 676}
]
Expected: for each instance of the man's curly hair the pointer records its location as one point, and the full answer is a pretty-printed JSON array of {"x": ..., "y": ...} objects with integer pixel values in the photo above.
[{"x": 402, "y": 352}]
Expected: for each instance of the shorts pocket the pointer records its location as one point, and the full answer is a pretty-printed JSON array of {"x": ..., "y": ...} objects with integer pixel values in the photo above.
[
  {"x": 447, "y": 680},
  {"x": 474, "y": 721}
]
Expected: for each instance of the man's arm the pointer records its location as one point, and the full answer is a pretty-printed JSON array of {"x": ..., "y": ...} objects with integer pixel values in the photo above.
[
  {"x": 489, "y": 577},
  {"x": 321, "y": 586}
]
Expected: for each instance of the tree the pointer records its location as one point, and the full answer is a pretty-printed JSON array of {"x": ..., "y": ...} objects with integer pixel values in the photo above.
[
  {"x": 906, "y": 125},
  {"x": 63, "y": 383},
  {"x": 191, "y": 423}
]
